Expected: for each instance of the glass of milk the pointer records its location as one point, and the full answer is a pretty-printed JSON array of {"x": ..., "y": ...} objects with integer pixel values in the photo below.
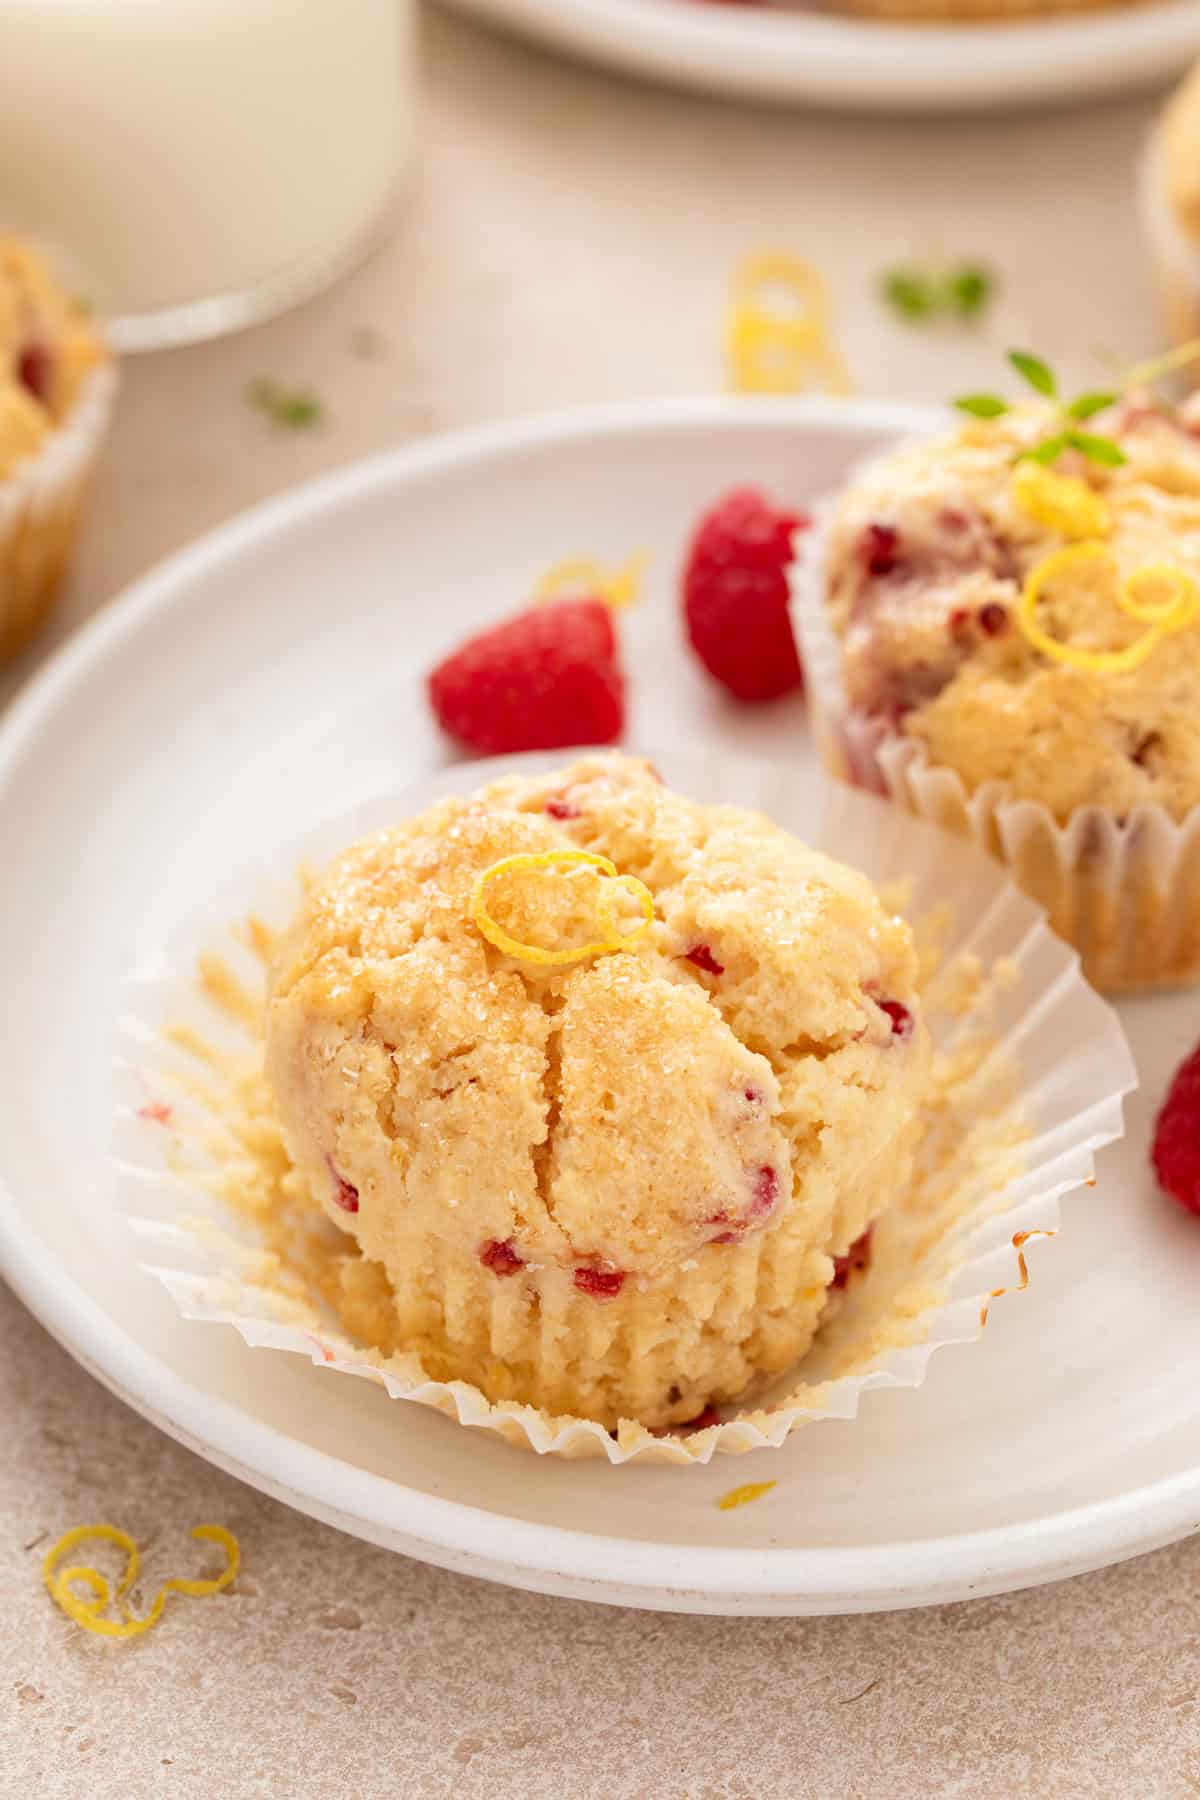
[{"x": 201, "y": 163}]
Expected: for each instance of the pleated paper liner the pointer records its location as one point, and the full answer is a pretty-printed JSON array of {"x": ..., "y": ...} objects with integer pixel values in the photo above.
[
  {"x": 1125, "y": 891},
  {"x": 1031, "y": 1070}
]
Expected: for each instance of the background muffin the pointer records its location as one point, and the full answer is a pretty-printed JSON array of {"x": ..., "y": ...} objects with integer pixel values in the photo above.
[
  {"x": 615, "y": 1188},
  {"x": 1171, "y": 210},
  {"x": 56, "y": 383},
  {"x": 928, "y": 558}
]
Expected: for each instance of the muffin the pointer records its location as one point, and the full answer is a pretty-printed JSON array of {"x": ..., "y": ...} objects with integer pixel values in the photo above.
[
  {"x": 1000, "y": 669},
  {"x": 56, "y": 385},
  {"x": 1170, "y": 193},
  {"x": 599, "y": 1126}
]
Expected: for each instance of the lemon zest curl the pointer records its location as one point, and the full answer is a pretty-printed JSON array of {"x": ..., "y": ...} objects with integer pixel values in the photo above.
[
  {"x": 781, "y": 350},
  {"x": 547, "y": 859},
  {"x": 743, "y": 1496},
  {"x": 61, "y": 1583},
  {"x": 584, "y": 577},
  {"x": 1062, "y": 502},
  {"x": 1174, "y": 611}
]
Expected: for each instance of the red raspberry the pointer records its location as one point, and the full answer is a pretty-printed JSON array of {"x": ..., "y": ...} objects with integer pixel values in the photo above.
[
  {"x": 735, "y": 595},
  {"x": 601, "y": 1284},
  {"x": 547, "y": 678},
  {"x": 1176, "y": 1149},
  {"x": 704, "y": 959},
  {"x": 902, "y": 1019},
  {"x": 500, "y": 1258},
  {"x": 35, "y": 369},
  {"x": 346, "y": 1196},
  {"x": 856, "y": 1259}
]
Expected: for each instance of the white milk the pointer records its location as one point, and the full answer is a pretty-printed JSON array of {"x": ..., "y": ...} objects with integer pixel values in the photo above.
[{"x": 206, "y": 161}]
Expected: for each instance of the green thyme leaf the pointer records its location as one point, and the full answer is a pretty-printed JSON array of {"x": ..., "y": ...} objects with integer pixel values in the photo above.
[
  {"x": 925, "y": 293},
  {"x": 1047, "y": 451},
  {"x": 969, "y": 289},
  {"x": 1038, "y": 374},
  {"x": 1099, "y": 449},
  {"x": 295, "y": 409},
  {"x": 982, "y": 406},
  {"x": 909, "y": 292},
  {"x": 1088, "y": 405}
]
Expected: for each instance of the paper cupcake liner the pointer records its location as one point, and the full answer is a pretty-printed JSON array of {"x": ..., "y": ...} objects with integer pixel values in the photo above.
[
  {"x": 41, "y": 504},
  {"x": 1124, "y": 891},
  {"x": 1176, "y": 256},
  {"x": 1034, "y": 1069}
]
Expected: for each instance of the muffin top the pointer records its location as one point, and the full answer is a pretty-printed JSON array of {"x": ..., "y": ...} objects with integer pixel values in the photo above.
[
  {"x": 931, "y": 551},
  {"x": 610, "y": 1117},
  {"x": 47, "y": 346},
  {"x": 1179, "y": 150}
]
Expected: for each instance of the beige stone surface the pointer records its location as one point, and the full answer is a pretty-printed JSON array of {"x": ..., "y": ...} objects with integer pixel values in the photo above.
[{"x": 567, "y": 237}]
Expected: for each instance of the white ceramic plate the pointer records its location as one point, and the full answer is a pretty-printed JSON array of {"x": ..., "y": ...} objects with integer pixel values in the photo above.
[
  {"x": 272, "y": 675},
  {"x": 831, "y": 60}
]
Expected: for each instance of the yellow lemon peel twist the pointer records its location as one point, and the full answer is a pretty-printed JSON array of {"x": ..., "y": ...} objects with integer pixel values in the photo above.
[
  {"x": 774, "y": 350},
  {"x": 1145, "y": 373},
  {"x": 1175, "y": 611},
  {"x": 743, "y": 1496},
  {"x": 548, "y": 859},
  {"x": 89, "y": 1614},
  {"x": 1062, "y": 502},
  {"x": 582, "y": 576}
]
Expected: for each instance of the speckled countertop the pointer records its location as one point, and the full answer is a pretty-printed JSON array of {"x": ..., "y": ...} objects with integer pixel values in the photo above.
[{"x": 548, "y": 198}]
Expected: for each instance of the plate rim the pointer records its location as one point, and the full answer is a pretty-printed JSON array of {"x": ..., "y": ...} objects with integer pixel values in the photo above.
[
  {"x": 837, "y": 60},
  {"x": 549, "y": 1558}
]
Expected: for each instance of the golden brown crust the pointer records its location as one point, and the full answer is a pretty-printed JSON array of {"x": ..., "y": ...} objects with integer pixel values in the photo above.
[{"x": 612, "y": 1189}]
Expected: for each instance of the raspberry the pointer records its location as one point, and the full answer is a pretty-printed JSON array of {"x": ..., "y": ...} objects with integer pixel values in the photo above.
[
  {"x": 561, "y": 809},
  {"x": 704, "y": 959},
  {"x": 902, "y": 1019},
  {"x": 764, "y": 1198},
  {"x": 1176, "y": 1149},
  {"x": 766, "y": 1193},
  {"x": 601, "y": 1284},
  {"x": 500, "y": 1258},
  {"x": 993, "y": 618},
  {"x": 856, "y": 1259},
  {"x": 35, "y": 369},
  {"x": 735, "y": 595},
  {"x": 346, "y": 1196},
  {"x": 547, "y": 678},
  {"x": 881, "y": 548}
]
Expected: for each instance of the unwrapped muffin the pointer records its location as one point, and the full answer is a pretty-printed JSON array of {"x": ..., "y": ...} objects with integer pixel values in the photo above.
[
  {"x": 616, "y": 1186},
  {"x": 56, "y": 384},
  {"x": 1018, "y": 656}
]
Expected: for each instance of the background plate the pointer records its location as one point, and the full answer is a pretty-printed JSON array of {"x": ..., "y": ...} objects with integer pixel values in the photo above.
[
  {"x": 838, "y": 61},
  {"x": 272, "y": 675}
]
